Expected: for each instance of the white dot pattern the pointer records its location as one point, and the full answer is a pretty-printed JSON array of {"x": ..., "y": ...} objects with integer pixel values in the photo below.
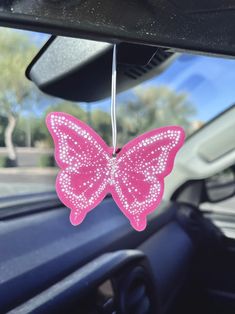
[{"x": 89, "y": 171}]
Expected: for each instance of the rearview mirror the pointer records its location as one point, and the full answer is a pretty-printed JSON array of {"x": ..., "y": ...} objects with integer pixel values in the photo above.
[
  {"x": 201, "y": 26},
  {"x": 220, "y": 186},
  {"x": 65, "y": 63}
]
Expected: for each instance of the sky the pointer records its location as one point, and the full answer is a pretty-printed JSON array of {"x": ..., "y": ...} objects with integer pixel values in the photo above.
[{"x": 208, "y": 81}]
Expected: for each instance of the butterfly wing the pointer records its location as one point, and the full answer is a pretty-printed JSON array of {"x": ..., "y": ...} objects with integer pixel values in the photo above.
[
  {"x": 142, "y": 165},
  {"x": 83, "y": 158}
]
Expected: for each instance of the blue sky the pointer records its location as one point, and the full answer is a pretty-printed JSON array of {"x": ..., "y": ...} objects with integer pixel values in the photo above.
[{"x": 209, "y": 81}]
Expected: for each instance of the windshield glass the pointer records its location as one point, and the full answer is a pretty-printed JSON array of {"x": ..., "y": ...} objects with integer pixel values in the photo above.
[{"x": 190, "y": 92}]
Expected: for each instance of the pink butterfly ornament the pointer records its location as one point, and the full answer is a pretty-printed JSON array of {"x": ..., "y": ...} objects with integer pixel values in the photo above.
[{"x": 89, "y": 171}]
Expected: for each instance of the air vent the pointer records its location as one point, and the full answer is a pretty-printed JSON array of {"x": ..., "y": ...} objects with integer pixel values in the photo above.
[
  {"x": 137, "y": 293},
  {"x": 136, "y": 71},
  {"x": 137, "y": 299}
]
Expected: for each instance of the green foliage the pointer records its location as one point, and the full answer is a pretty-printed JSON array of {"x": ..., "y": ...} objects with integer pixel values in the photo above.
[
  {"x": 3, "y": 124},
  {"x": 47, "y": 161},
  {"x": 19, "y": 135},
  {"x": 16, "y": 93},
  {"x": 69, "y": 107},
  {"x": 5, "y": 162},
  {"x": 34, "y": 127},
  {"x": 102, "y": 124},
  {"x": 149, "y": 108},
  {"x": 154, "y": 107},
  {"x": 16, "y": 53},
  {"x": 64, "y": 106}
]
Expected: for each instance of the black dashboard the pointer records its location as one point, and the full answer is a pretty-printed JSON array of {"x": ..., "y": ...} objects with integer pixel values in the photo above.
[{"x": 103, "y": 266}]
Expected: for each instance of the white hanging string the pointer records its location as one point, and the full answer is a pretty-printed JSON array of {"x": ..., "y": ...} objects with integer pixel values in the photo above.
[{"x": 113, "y": 100}]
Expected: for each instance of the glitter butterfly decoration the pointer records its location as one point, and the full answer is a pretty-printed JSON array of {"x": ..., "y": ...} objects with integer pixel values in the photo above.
[{"x": 89, "y": 171}]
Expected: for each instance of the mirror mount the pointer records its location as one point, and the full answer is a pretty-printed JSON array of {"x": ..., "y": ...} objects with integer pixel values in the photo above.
[{"x": 87, "y": 64}]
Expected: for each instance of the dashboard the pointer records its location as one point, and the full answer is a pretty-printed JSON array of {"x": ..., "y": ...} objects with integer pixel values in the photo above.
[{"x": 103, "y": 266}]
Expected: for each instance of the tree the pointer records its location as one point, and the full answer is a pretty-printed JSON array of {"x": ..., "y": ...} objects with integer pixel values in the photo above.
[
  {"x": 98, "y": 119},
  {"x": 101, "y": 122},
  {"x": 16, "y": 92},
  {"x": 3, "y": 124},
  {"x": 149, "y": 108},
  {"x": 39, "y": 129},
  {"x": 154, "y": 107}
]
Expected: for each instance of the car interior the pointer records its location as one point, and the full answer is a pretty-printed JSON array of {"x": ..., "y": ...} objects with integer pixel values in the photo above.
[{"x": 184, "y": 261}]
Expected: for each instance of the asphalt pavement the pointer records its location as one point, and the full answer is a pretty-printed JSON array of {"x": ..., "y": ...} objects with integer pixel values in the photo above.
[{"x": 26, "y": 180}]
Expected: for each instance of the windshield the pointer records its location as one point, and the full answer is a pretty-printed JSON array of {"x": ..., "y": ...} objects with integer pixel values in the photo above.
[{"x": 190, "y": 92}]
